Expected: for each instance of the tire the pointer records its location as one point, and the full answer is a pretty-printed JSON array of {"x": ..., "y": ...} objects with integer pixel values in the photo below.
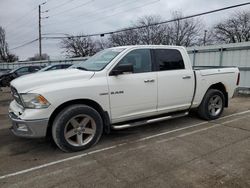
[
  {"x": 212, "y": 105},
  {"x": 77, "y": 128},
  {"x": 4, "y": 83}
]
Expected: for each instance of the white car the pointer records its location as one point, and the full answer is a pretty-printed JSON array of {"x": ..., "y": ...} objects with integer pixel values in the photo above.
[{"x": 117, "y": 88}]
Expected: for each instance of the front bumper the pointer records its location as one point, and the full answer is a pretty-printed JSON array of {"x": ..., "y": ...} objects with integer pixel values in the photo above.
[{"x": 28, "y": 128}]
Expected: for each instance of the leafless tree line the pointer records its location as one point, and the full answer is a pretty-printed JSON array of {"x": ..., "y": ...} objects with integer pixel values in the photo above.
[
  {"x": 188, "y": 32},
  {"x": 180, "y": 32},
  {"x": 234, "y": 29},
  {"x": 183, "y": 32}
]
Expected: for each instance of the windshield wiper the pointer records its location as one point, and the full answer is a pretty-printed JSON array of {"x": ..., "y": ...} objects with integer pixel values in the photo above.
[{"x": 81, "y": 68}]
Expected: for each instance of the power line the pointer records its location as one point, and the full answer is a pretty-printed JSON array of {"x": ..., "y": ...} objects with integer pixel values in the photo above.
[
  {"x": 21, "y": 17},
  {"x": 70, "y": 9},
  {"x": 32, "y": 41},
  {"x": 25, "y": 44},
  {"x": 97, "y": 12},
  {"x": 27, "y": 34},
  {"x": 144, "y": 5},
  {"x": 56, "y": 34},
  {"x": 127, "y": 10},
  {"x": 159, "y": 23},
  {"x": 17, "y": 28},
  {"x": 60, "y": 5},
  {"x": 133, "y": 28}
]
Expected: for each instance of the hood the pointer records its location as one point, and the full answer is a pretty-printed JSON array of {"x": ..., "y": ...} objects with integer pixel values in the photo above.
[
  {"x": 2, "y": 74},
  {"x": 38, "y": 80}
]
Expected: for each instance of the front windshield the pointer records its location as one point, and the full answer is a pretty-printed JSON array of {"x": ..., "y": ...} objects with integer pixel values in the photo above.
[
  {"x": 75, "y": 65},
  {"x": 100, "y": 59},
  {"x": 14, "y": 70}
]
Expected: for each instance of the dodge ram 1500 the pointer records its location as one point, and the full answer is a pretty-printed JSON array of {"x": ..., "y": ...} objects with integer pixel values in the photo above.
[{"x": 117, "y": 88}]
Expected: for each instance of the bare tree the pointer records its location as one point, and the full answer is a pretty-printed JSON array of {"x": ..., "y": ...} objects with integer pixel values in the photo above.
[
  {"x": 234, "y": 29},
  {"x": 180, "y": 32},
  {"x": 5, "y": 54},
  {"x": 78, "y": 47},
  {"x": 37, "y": 57},
  {"x": 129, "y": 37},
  {"x": 150, "y": 33},
  {"x": 102, "y": 43},
  {"x": 184, "y": 32}
]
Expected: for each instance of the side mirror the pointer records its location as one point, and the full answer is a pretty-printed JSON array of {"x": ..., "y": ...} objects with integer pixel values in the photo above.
[{"x": 120, "y": 69}]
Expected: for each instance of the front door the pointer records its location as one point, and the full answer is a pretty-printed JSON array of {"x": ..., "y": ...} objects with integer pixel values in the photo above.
[{"x": 133, "y": 95}]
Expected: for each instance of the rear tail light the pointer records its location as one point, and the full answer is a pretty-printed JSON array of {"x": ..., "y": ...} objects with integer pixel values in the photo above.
[{"x": 238, "y": 79}]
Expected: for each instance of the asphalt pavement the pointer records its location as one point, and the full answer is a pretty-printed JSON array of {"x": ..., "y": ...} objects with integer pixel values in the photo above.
[{"x": 183, "y": 152}]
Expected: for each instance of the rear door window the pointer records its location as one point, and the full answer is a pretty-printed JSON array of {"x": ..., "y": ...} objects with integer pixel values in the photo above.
[{"x": 169, "y": 59}]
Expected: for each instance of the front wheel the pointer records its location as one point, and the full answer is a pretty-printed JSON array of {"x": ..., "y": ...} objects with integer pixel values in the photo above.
[
  {"x": 76, "y": 128},
  {"x": 212, "y": 105},
  {"x": 6, "y": 82}
]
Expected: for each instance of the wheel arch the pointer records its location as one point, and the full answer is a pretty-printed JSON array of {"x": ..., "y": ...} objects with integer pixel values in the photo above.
[
  {"x": 221, "y": 87},
  {"x": 88, "y": 102}
]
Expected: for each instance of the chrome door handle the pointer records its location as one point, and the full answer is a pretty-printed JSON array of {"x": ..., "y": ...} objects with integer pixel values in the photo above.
[
  {"x": 149, "y": 81},
  {"x": 186, "y": 77}
]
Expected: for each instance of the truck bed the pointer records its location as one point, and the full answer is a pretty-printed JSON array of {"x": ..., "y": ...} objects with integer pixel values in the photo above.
[{"x": 208, "y": 75}]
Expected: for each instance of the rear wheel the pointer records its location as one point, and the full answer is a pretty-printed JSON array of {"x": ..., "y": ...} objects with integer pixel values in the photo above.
[
  {"x": 212, "y": 105},
  {"x": 77, "y": 128}
]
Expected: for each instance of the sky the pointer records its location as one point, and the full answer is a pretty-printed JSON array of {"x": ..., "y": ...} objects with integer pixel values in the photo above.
[{"x": 19, "y": 18}]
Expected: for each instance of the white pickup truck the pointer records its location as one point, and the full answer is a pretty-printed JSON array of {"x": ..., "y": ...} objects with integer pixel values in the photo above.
[{"x": 117, "y": 88}]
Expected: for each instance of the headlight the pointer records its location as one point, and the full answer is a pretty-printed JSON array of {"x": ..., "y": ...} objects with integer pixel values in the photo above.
[{"x": 33, "y": 100}]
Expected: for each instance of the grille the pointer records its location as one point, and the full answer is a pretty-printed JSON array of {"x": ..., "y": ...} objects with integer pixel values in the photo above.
[{"x": 16, "y": 96}]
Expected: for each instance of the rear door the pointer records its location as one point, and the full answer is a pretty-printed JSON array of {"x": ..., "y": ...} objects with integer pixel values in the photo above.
[
  {"x": 134, "y": 95},
  {"x": 175, "y": 80}
]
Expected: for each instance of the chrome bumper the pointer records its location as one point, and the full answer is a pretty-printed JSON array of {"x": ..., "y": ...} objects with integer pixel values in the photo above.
[{"x": 28, "y": 128}]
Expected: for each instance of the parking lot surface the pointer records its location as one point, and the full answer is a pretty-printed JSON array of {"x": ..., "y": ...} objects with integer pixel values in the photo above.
[{"x": 183, "y": 152}]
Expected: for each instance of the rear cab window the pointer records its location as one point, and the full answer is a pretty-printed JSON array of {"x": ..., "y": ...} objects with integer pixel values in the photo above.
[{"x": 168, "y": 59}]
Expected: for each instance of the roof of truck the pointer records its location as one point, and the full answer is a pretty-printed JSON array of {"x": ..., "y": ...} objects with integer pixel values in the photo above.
[{"x": 150, "y": 46}]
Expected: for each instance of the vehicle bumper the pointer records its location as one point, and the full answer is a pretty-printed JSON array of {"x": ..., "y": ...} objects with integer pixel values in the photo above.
[{"x": 28, "y": 128}]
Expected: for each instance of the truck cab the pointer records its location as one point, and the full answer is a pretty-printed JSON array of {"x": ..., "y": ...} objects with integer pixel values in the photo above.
[{"x": 161, "y": 81}]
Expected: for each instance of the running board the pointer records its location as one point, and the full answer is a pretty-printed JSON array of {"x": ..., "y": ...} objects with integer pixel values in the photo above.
[{"x": 147, "y": 121}]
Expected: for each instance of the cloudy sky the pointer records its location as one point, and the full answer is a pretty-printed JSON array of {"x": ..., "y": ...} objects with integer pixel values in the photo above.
[{"x": 20, "y": 18}]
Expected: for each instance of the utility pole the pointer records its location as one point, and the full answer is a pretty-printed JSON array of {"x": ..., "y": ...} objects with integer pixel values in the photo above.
[
  {"x": 40, "y": 35},
  {"x": 205, "y": 36},
  {"x": 40, "y": 27}
]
